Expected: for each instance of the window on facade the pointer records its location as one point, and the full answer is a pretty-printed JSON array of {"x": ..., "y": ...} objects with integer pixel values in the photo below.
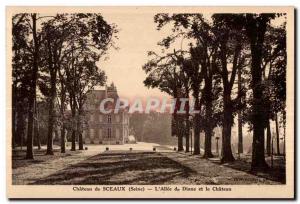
[
  {"x": 91, "y": 133},
  {"x": 109, "y": 118},
  {"x": 108, "y": 132}
]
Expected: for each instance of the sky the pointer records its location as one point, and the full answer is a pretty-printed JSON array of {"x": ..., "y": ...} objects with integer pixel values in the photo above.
[{"x": 137, "y": 35}]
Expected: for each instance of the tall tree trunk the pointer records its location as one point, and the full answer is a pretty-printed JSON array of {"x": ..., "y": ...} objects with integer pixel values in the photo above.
[
  {"x": 258, "y": 154},
  {"x": 177, "y": 132},
  {"x": 72, "y": 88},
  {"x": 62, "y": 111},
  {"x": 51, "y": 120},
  {"x": 23, "y": 133},
  {"x": 187, "y": 128},
  {"x": 14, "y": 117},
  {"x": 208, "y": 131},
  {"x": 37, "y": 128},
  {"x": 37, "y": 134},
  {"x": 284, "y": 132},
  {"x": 38, "y": 137},
  {"x": 175, "y": 123},
  {"x": 29, "y": 150},
  {"x": 31, "y": 100},
  {"x": 207, "y": 148},
  {"x": 256, "y": 28},
  {"x": 79, "y": 129},
  {"x": 240, "y": 135},
  {"x": 180, "y": 142},
  {"x": 187, "y": 140},
  {"x": 226, "y": 153},
  {"x": 240, "y": 125},
  {"x": 73, "y": 110},
  {"x": 258, "y": 147},
  {"x": 21, "y": 126},
  {"x": 269, "y": 137},
  {"x": 63, "y": 129},
  {"x": 73, "y": 143},
  {"x": 208, "y": 110},
  {"x": 62, "y": 139},
  {"x": 277, "y": 135},
  {"x": 180, "y": 132},
  {"x": 80, "y": 141},
  {"x": 13, "y": 140},
  {"x": 197, "y": 127},
  {"x": 226, "y": 133}
]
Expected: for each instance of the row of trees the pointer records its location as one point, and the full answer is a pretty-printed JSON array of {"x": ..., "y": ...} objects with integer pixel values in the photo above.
[
  {"x": 54, "y": 65},
  {"x": 231, "y": 65}
]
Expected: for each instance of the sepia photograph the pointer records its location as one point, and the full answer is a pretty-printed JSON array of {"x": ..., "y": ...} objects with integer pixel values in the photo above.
[{"x": 150, "y": 102}]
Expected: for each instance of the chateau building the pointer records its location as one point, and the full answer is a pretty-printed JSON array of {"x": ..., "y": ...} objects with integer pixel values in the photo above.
[{"x": 112, "y": 128}]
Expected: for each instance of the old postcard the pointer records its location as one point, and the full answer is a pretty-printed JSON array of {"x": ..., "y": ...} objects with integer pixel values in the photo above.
[{"x": 150, "y": 102}]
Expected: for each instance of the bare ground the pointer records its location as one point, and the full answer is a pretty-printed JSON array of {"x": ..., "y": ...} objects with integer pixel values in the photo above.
[{"x": 136, "y": 167}]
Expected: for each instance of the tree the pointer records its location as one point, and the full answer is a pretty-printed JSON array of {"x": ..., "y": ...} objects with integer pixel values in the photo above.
[
  {"x": 193, "y": 26},
  {"x": 21, "y": 77},
  {"x": 88, "y": 76},
  {"x": 230, "y": 43},
  {"x": 40, "y": 53},
  {"x": 200, "y": 67},
  {"x": 205, "y": 60},
  {"x": 273, "y": 68},
  {"x": 240, "y": 123},
  {"x": 66, "y": 34},
  {"x": 52, "y": 57},
  {"x": 37, "y": 126},
  {"x": 165, "y": 74},
  {"x": 227, "y": 45},
  {"x": 26, "y": 39},
  {"x": 62, "y": 102},
  {"x": 255, "y": 25}
]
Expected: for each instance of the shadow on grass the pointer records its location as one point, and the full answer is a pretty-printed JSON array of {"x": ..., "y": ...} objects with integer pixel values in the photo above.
[
  {"x": 18, "y": 157},
  {"x": 277, "y": 173},
  {"x": 119, "y": 168}
]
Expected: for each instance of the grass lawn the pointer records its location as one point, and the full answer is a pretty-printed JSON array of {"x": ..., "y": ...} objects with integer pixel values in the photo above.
[{"x": 116, "y": 167}]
